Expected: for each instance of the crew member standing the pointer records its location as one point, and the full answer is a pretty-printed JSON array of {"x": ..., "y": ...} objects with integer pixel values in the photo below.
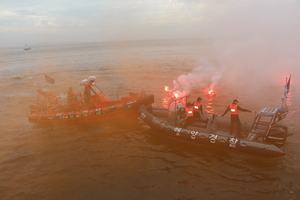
[
  {"x": 86, "y": 96},
  {"x": 234, "y": 109},
  {"x": 198, "y": 110},
  {"x": 189, "y": 115},
  {"x": 71, "y": 96}
]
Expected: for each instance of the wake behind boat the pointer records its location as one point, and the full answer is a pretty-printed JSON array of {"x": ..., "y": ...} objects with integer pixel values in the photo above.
[
  {"x": 92, "y": 106},
  {"x": 265, "y": 136}
]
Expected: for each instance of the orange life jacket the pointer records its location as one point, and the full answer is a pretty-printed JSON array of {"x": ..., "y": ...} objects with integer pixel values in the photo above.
[
  {"x": 234, "y": 109},
  {"x": 197, "y": 105},
  {"x": 189, "y": 112}
]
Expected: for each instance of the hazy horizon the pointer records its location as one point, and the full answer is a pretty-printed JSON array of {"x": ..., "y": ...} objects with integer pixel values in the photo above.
[
  {"x": 253, "y": 40},
  {"x": 39, "y": 22}
]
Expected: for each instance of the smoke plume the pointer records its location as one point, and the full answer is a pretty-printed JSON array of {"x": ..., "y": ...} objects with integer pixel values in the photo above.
[
  {"x": 256, "y": 46},
  {"x": 206, "y": 74}
]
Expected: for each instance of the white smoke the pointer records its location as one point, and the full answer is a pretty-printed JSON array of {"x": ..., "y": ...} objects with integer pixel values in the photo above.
[
  {"x": 258, "y": 44},
  {"x": 205, "y": 75}
]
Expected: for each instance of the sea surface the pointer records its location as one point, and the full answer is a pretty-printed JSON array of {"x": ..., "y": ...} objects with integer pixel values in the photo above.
[{"x": 126, "y": 159}]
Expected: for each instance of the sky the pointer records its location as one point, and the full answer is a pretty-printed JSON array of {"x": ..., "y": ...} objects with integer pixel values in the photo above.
[
  {"x": 64, "y": 21},
  {"x": 257, "y": 40}
]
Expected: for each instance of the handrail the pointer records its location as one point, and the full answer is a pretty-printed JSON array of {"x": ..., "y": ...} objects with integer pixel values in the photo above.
[{"x": 175, "y": 100}]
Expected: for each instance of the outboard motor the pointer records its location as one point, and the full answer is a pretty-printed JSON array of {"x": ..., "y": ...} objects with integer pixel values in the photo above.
[
  {"x": 277, "y": 135},
  {"x": 266, "y": 129}
]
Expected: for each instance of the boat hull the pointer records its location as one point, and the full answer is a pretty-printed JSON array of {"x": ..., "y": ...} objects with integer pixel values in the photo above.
[
  {"x": 211, "y": 138},
  {"x": 128, "y": 110}
]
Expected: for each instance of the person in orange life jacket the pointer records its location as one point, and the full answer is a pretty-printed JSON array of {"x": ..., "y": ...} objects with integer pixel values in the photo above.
[
  {"x": 197, "y": 105},
  {"x": 71, "y": 96},
  {"x": 234, "y": 110},
  {"x": 189, "y": 115}
]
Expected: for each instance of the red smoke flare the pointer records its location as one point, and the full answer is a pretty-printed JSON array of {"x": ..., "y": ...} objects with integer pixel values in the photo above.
[
  {"x": 166, "y": 88},
  {"x": 211, "y": 93}
]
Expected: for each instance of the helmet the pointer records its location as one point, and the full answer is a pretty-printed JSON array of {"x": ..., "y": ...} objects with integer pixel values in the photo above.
[
  {"x": 92, "y": 78},
  {"x": 85, "y": 82},
  {"x": 235, "y": 101}
]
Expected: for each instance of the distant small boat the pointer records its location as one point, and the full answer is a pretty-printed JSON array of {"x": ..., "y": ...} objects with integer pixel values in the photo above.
[{"x": 26, "y": 47}]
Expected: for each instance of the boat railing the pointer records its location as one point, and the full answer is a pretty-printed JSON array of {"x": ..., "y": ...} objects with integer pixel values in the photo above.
[
  {"x": 262, "y": 127},
  {"x": 174, "y": 109}
]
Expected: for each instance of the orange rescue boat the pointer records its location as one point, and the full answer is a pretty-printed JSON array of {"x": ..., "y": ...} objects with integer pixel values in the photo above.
[{"x": 92, "y": 106}]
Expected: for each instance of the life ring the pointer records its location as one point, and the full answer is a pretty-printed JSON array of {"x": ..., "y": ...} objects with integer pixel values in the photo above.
[
  {"x": 85, "y": 113},
  {"x": 71, "y": 114},
  {"x": 98, "y": 111}
]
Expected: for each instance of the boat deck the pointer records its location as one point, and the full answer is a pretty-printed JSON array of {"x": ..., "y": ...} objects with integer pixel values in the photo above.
[
  {"x": 214, "y": 129},
  {"x": 201, "y": 126}
]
